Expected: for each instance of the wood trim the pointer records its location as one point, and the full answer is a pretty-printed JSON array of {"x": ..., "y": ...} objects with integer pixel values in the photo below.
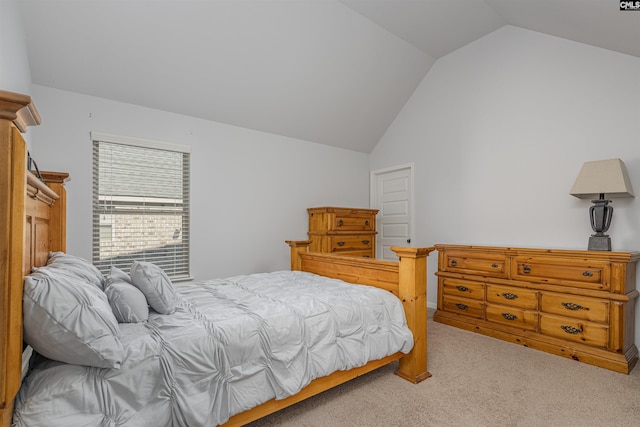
[
  {"x": 55, "y": 177},
  {"x": 367, "y": 271},
  {"x": 572, "y": 253},
  {"x": 412, "y": 286},
  {"x": 38, "y": 190},
  {"x": 26, "y": 199},
  {"x": 58, "y": 215},
  {"x": 18, "y": 109},
  {"x": 12, "y": 223},
  {"x": 316, "y": 386},
  {"x": 297, "y": 247}
]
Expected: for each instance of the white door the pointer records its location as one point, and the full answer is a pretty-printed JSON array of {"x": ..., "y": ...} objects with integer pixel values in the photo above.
[{"x": 391, "y": 194}]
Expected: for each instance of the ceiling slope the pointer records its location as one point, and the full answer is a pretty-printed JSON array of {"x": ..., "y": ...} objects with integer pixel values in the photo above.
[
  {"x": 327, "y": 71},
  {"x": 316, "y": 71}
]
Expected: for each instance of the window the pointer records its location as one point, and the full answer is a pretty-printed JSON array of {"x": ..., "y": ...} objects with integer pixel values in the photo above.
[{"x": 140, "y": 204}]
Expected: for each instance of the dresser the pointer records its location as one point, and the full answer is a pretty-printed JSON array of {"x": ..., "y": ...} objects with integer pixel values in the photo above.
[
  {"x": 343, "y": 231},
  {"x": 576, "y": 304}
]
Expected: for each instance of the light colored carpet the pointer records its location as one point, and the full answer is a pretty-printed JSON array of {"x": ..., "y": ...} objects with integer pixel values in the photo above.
[{"x": 477, "y": 381}]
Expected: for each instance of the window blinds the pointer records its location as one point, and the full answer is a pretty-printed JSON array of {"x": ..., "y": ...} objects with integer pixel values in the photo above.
[{"x": 140, "y": 204}]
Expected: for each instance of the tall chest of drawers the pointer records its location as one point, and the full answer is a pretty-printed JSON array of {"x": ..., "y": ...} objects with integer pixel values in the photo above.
[
  {"x": 576, "y": 304},
  {"x": 343, "y": 231}
]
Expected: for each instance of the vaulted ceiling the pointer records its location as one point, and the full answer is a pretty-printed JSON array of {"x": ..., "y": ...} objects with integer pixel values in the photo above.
[{"x": 327, "y": 71}]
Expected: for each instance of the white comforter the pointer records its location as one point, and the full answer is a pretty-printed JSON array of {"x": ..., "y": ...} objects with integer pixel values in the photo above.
[{"x": 231, "y": 345}]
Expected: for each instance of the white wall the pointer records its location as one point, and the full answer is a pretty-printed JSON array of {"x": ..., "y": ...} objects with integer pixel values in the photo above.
[
  {"x": 249, "y": 190},
  {"x": 498, "y": 131},
  {"x": 15, "y": 75},
  {"x": 14, "y": 62}
]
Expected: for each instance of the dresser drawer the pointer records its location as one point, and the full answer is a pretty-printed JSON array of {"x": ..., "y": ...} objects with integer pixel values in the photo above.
[
  {"x": 353, "y": 222},
  {"x": 464, "y": 306},
  {"x": 512, "y": 316},
  {"x": 584, "y": 274},
  {"x": 470, "y": 262},
  {"x": 582, "y": 331},
  {"x": 593, "y": 309},
  {"x": 463, "y": 288},
  {"x": 351, "y": 242},
  {"x": 339, "y": 220},
  {"x": 512, "y": 296}
]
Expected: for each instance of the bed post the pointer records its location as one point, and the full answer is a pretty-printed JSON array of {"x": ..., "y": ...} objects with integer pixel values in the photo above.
[
  {"x": 17, "y": 112},
  {"x": 58, "y": 219},
  {"x": 413, "y": 294},
  {"x": 297, "y": 247}
]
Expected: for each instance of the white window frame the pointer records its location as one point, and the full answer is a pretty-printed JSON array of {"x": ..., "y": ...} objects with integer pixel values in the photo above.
[{"x": 173, "y": 258}]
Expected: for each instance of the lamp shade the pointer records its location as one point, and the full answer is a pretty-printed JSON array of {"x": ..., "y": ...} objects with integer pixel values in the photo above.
[{"x": 607, "y": 177}]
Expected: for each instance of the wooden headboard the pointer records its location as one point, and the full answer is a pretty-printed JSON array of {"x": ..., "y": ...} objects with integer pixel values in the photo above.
[{"x": 32, "y": 223}]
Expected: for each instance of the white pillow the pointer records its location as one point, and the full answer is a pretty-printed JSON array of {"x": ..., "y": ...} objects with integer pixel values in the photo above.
[
  {"x": 116, "y": 275},
  {"x": 76, "y": 266},
  {"x": 69, "y": 320},
  {"x": 127, "y": 302},
  {"x": 155, "y": 285}
]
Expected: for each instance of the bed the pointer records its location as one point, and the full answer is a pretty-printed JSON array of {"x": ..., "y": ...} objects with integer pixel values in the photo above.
[{"x": 34, "y": 225}]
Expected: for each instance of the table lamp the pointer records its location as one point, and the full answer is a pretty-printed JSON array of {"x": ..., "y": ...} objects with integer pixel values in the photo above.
[{"x": 597, "y": 180}]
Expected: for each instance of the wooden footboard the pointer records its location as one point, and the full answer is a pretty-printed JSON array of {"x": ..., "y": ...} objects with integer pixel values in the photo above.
[{"x": 407, "y": 279}]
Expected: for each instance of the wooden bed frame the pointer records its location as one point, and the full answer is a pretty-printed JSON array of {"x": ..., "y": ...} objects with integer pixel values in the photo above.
[
  {"x": 33, "y": 222},
  {"x": 407, "y": 279}
]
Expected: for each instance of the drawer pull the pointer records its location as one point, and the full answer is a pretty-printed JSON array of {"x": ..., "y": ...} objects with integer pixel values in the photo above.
[
  {"x": 365, "y": 242},
  {"x": 526, "y": 269},
  {"x": 366, "y": 222},
  {"x": 340, "y": 243},
  {"x": 462, "y": 306},
  {"x": 509, "y": 295},
  {"x": 571, "y": 329},
  {"x": 509, "y": 316},
  {"x": 587, "y": 274},
  {"x": 454, "y": 262},
  {"x": 494, "y": 265},
  {"x": 462, "y": 288},
  {"x": 340, "y": 222},
  {"x": 572, "y": 306}
]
